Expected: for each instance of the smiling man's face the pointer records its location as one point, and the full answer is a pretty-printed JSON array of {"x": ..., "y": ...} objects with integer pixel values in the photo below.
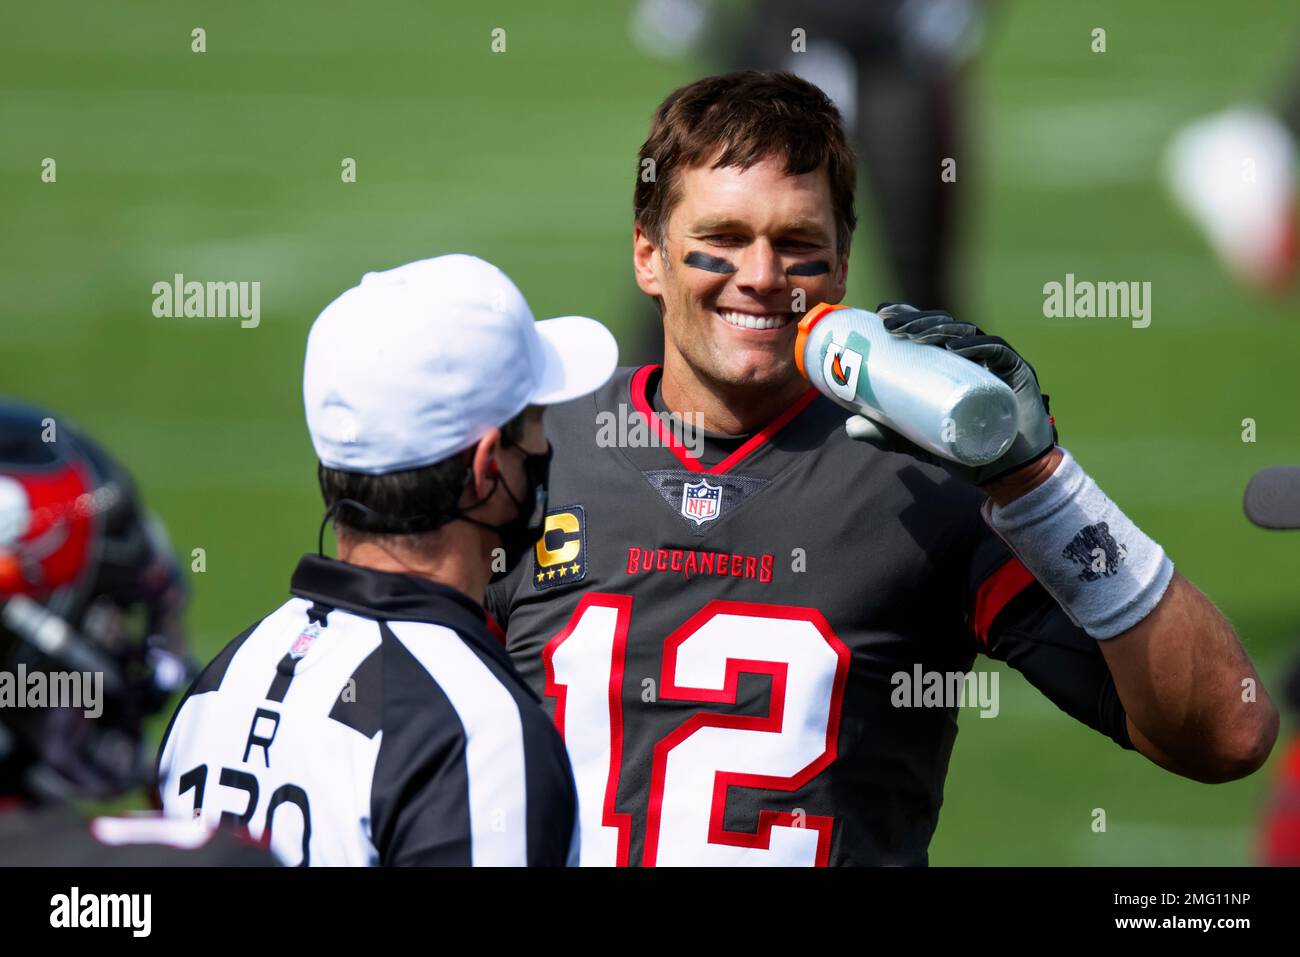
[{"x": 738, "y": 245}]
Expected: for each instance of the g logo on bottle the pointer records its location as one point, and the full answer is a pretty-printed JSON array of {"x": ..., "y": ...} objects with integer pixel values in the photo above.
[{"x": 841, "y": 367}]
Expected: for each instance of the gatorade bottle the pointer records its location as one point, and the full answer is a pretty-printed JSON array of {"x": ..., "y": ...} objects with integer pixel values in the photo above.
[{"x": 944, "y": 403}]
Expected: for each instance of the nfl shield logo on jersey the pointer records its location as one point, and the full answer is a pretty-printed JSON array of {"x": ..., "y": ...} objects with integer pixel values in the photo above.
[
  {"x": 701, "y": 502},
  {"x": 306, "y": 638}
]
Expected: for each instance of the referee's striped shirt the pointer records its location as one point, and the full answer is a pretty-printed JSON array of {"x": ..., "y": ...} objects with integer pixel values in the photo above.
[{"x": 372, "y": 720}]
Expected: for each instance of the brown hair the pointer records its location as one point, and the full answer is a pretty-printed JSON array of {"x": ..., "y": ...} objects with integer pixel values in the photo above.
[{"x": 748, "y": 116}]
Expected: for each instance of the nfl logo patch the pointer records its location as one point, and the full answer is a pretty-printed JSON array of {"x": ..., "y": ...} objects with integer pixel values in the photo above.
[
  {"x": 701, "y": 502},
  {"x": 302, "y": 644}
]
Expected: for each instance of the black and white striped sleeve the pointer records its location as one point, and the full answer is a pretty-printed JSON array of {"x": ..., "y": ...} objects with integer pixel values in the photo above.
[{"x": 470, "y": 771}]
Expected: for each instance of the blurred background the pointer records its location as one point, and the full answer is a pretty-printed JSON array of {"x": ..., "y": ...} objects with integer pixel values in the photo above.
[{"x": 225, "y": 165}]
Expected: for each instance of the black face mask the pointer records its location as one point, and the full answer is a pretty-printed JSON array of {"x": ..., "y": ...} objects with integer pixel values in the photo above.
[
  {"x": 521, "y": 533},
  {"x": 518, "y": 535}
]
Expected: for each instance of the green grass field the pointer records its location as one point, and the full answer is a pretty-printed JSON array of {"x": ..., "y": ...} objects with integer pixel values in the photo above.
[{"x": 226, "y": 165}]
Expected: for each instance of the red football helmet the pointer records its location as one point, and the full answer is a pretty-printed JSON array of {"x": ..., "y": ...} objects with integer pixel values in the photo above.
[{"x": 91, "y": 597}]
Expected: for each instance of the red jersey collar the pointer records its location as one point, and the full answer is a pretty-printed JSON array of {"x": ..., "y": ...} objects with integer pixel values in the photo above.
[{"x": 641, "y": 402}]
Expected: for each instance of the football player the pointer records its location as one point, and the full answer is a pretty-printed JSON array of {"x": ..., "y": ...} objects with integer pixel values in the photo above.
[
  {"x": 91, "y": 645},
  {"x": 745, "y": 638},
  {"x": 897, "y": 70}
]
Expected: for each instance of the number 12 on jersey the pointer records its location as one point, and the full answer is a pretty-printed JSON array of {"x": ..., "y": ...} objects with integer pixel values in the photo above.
[{"x": 708, "y": 753}]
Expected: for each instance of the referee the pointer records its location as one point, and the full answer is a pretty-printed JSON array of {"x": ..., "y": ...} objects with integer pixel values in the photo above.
[{"x": 372, "y": 719}]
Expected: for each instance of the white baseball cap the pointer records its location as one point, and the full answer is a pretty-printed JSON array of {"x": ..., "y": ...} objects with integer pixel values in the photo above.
[{"x": 416, "y": 363}]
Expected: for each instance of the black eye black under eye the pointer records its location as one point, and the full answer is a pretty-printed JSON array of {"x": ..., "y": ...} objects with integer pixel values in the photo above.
[
  {"x": 716, "y": 264},
  {"x": 814, "y": 267},
  {"x": 699, "y": 260}
]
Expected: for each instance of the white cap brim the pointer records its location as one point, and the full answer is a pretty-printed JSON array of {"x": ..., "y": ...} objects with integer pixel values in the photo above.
[{"x": 578, "y": 356}]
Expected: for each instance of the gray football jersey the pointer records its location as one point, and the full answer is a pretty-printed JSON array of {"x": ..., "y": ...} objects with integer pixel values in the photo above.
[{"x": 756, "y": 653}]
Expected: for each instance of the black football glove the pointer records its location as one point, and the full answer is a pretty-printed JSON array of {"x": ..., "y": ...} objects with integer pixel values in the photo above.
[{"x": 1036, "y": 434}]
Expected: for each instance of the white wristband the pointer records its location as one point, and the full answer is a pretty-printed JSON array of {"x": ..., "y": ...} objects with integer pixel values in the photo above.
[{"x": 1103, "y": 571}]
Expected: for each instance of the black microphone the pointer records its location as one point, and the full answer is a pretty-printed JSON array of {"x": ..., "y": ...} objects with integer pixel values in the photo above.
[{"x": 1272, "y": 498}]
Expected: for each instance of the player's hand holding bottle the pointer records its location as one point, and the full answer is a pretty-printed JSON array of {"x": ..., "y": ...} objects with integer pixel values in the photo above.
[{"x": 1035, "y": 433}]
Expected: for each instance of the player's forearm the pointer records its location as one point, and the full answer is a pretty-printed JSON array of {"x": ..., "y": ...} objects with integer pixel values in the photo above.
[
  {"x": 1183, "y": 678},
  {"x": 1190, "y": 690}
]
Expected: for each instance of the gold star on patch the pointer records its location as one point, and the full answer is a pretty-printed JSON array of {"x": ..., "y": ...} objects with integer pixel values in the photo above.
[
  {"x": 563, "y": 571},
  {"x": 574, "y": 568},
  {"x": 541, "y": 575},
  {"x": 550, "y": 573}
]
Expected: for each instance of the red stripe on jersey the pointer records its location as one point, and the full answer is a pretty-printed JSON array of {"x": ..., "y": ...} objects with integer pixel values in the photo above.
[
  {"x": 642, "y": 404},
  {"x": 1008, "y": 581},
  {"x": 494, "y": 628}
]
